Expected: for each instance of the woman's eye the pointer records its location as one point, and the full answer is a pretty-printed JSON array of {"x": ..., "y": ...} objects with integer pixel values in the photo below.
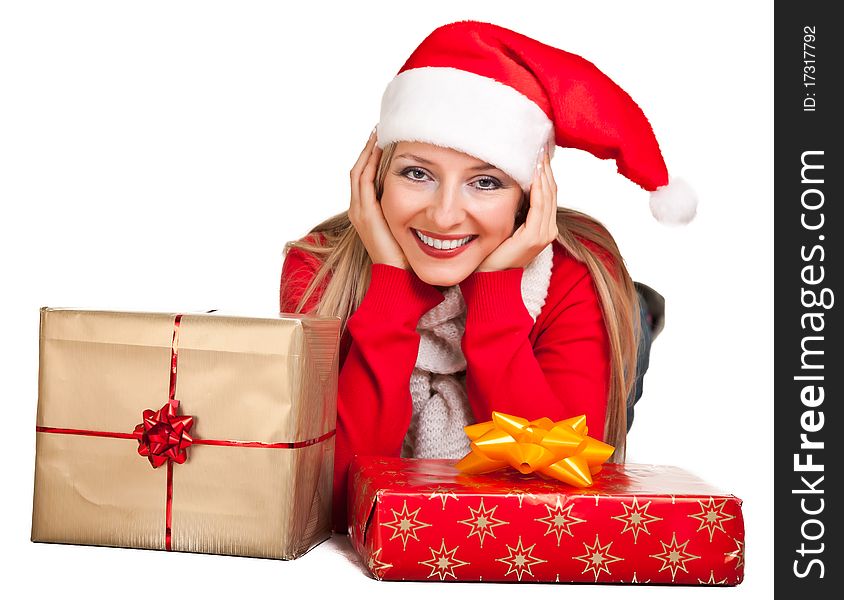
[
  {"x": 488, "y": 183},
  {"x": 414, "y": 174}
]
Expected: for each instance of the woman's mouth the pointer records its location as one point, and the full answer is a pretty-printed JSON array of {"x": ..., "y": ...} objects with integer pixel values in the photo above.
[{"x": 442, "y": 248}]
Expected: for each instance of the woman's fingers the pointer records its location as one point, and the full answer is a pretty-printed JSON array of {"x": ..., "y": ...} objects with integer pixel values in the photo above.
[
  {"x": 355, "y": 204},
  {"x": 537, "y": 193},
  {"x": 551, "y": 180},
  {"x": 550, "y": 208},
  {"x": 367, "y": 177},
  {"x": 364, "y": 154},
  {"x": 365, "y": 211},
  {"x": 370, "y": 211},
  {"x": 541, "y": 222},
  {"x": 357, "y": 169}
]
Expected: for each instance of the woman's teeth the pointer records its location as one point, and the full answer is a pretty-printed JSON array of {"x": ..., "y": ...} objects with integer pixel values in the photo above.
[{"x": 443, "y": 244}]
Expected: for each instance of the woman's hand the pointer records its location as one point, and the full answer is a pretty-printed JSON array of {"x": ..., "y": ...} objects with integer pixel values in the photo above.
[
  {"x": 539, "y": 228},
  {"x": 365, "y": 210}
]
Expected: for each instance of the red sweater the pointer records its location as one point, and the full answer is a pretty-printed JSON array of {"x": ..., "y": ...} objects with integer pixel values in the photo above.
[{"x": 557, "y": 367}]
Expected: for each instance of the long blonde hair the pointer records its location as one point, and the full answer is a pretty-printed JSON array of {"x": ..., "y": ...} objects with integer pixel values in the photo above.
[{"x": 346, "y": 264}]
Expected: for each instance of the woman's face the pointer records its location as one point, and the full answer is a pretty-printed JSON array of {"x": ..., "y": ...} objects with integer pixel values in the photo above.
[{"x": 445, "y": 194}]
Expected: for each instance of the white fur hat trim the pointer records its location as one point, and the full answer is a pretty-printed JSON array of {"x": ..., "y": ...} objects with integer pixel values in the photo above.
[{"x": 467, "y": 112}]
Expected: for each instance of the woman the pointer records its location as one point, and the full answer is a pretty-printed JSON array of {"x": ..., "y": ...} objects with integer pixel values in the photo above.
[{"x": 461, "y": 286}]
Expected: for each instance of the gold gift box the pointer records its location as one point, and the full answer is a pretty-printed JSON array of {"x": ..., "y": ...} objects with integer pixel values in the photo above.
[{"x": 271, "y": 383}]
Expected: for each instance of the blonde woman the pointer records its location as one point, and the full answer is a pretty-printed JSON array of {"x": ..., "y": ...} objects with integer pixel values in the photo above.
[{"x": 461, "y": 285}]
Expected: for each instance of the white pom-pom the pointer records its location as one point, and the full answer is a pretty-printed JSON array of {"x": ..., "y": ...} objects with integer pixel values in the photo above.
[{"x": 675, "y": 203}]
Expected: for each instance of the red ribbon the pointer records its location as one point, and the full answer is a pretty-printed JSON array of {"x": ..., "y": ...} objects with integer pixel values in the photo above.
[
  {"x": 164, "y": 436},
  {"x": 196, "y": 442}
]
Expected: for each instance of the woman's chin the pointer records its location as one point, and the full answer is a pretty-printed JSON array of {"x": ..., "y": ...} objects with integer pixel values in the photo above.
[{"x": 439, "y": 279}]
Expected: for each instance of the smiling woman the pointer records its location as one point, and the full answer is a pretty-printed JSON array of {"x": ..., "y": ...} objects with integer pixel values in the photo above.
[
  {"x": 446, "y": 210},
  {"x": 461, "y": 286}
]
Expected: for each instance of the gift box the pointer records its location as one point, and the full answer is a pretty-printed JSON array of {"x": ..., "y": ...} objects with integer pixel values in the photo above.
[
  {"x": 185, "y": 432},
  {"x": 422, "y": 519}
]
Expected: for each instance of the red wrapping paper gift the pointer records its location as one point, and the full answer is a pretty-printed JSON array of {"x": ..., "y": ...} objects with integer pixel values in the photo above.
[{"x": 421, "y": 519}]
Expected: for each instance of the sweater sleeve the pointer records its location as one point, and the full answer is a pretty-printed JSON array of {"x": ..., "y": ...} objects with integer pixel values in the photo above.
[
  {"x": 373, "y": 402},
  {"x": 373, "y": 397},
  {"x": 563, "y": 373}
]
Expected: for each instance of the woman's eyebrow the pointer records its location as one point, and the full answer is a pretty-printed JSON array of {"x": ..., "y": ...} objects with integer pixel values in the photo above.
[{"x": 428, "y": 162}]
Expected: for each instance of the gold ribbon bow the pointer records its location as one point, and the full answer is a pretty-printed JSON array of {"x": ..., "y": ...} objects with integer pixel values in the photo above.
[{"x": 561, "y": 450}]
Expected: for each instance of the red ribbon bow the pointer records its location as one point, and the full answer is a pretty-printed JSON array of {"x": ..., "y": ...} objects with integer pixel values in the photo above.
[{"x": 164, "y": 436}]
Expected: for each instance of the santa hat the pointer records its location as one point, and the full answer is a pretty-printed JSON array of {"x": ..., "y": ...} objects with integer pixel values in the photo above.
[{"x": 501, "y": 96}]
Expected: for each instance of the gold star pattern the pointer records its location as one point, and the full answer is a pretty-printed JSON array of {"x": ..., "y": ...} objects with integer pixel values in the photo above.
[
  {"x": 674, "y": 556},
  {"x": 405, "y": 525},
  {"x": 518, "y": 493},
  {"x": 482, "y": 522},
  {"x": 519, "y": 560},
  {"x": 377, "y": 567},
  {"x": 712, "y": 516},
  {"x": 443, "y": 562},
  {"x": 736, "y": 554},
  {"x": 443, "y": 493},
  {"x": 559, "y": 520},
  {"x": 597, "y": 558},
  {"x": 711, "y": 580},
  {"x": 636, "y": 518}
]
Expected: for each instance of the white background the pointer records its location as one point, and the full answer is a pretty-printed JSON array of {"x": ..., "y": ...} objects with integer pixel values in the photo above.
[{"x": 157, "y": 155}]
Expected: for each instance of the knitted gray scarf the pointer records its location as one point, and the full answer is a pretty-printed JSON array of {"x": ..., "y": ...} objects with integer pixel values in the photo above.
[{"x": 438, "y": 382}]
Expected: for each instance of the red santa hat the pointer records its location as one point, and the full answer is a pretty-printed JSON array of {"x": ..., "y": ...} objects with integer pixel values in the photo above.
[{"x": 501, "y": 96}]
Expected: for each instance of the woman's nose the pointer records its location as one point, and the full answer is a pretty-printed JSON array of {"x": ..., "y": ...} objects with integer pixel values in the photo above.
[{"x": 446, "y": 210}]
